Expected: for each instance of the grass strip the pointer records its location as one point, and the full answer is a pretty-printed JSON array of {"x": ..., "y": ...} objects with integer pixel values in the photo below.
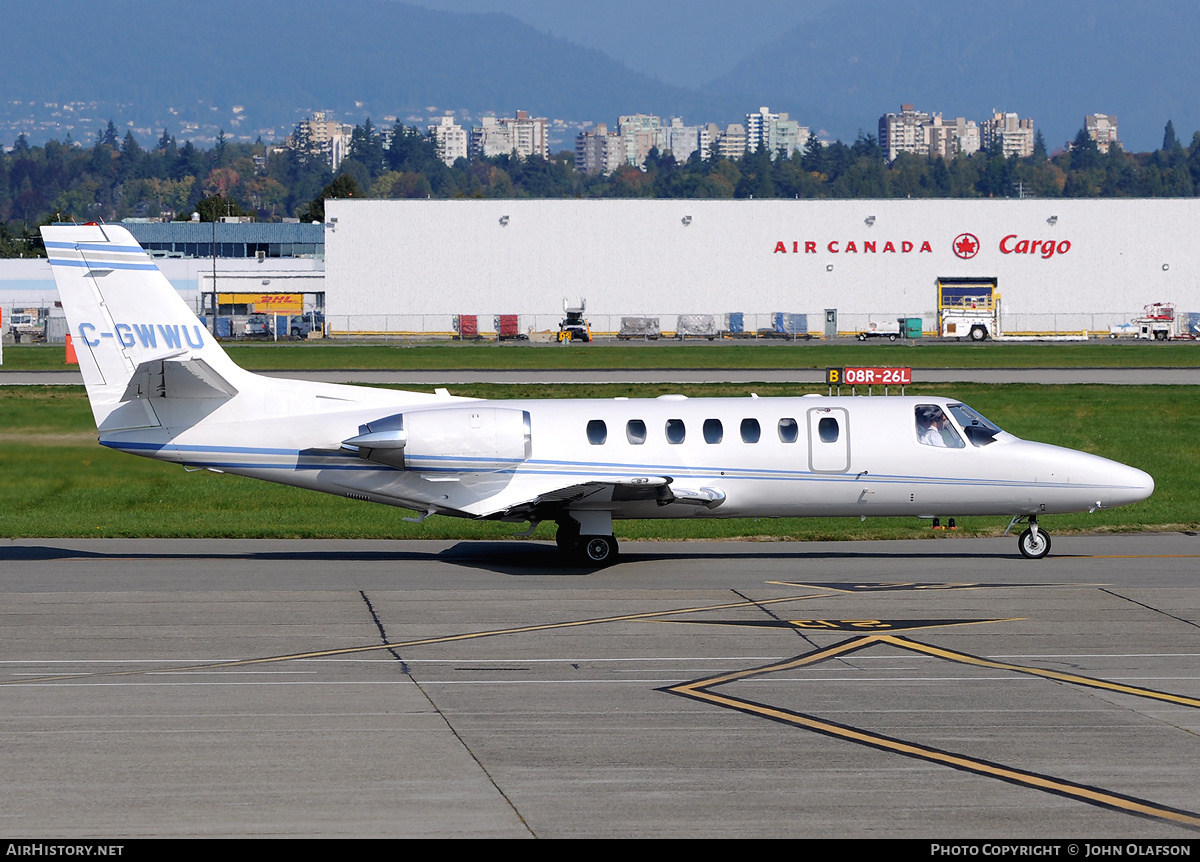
[{"x": 424, "y": 356}]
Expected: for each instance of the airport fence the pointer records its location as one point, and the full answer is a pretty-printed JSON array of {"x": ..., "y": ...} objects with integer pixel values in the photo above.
[{"x": 752, "y": 324}]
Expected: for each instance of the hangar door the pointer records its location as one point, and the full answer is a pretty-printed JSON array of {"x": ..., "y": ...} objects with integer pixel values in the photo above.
[{"x": 976, "y": 293}]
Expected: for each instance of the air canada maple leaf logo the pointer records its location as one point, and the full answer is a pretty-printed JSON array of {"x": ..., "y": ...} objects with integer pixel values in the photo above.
[{"x": 966, "y": 245}]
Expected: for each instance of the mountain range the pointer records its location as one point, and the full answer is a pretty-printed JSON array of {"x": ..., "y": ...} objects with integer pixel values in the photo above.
[
  {"x": 195, "y": 67},
  {"x": 1053, "y": 61}
]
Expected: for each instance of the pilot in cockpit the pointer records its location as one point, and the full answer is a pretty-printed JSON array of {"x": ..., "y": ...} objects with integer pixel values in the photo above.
[{"x": 933, "y": 430}]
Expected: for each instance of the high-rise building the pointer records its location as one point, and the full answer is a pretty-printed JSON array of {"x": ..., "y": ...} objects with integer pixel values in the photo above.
[
  {"x": 521, "y": 135},
  {"x": 904, "y": 132},
  {"x": 598, "y": 151},
  {"x": 490, "y": 138},
  {"x": 641, "y": 133},
  {"x": 529, "y": 135},
  {"x": 776, "y": 132},
  {"x": 732, "y": 142},
  {"x": 1102, "y": 128},
  {"x": 950, "y": 139},
  {"x": 324, "y": 138},
  {"x": 450, "y": 140},
  {"x": 1014, "y": 135},
  {"x": 683, "y": 140}
]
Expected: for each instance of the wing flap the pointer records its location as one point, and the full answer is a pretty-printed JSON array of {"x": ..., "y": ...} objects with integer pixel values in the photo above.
[{"x": 532, "y": 495}]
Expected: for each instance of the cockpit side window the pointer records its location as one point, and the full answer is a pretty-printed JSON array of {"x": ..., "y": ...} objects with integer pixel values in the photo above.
[
  {"x": 934, "y": 429},
  {"x": 979, "y": 431}
]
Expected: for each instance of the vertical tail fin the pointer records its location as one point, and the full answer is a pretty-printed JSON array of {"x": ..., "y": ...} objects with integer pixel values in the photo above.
[{"x": 133, "y": 333}]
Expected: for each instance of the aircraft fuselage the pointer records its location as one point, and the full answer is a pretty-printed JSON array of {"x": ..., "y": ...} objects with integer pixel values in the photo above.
[{"x": 766, "y": 457}]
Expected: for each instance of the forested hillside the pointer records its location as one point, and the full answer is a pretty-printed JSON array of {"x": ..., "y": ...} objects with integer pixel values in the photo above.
[{"x": 116, "y": 178}]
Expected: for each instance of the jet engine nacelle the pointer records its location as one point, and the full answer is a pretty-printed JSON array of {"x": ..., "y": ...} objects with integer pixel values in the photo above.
[{"x": 447, "y": 439}]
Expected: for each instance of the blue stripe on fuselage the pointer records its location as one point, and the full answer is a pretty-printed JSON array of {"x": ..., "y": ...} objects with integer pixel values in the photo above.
[{"x": 580, "y": 472}]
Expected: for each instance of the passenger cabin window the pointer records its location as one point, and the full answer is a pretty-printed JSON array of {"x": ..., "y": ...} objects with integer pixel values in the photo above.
[
  {"x": 934, "y": 429},
  {"x": 675, "y": 431},
  {"x": 635, "y": 431},
  {"x": 827, "y": 429},
  {"x": 597, "y": 432},
  {"x": 750, "y": 431},
  {"x": 713, "y": 432},
  {"x": 789, "y": 431}
]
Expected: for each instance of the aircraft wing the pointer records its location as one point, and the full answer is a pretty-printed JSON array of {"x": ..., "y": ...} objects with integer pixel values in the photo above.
[{"x": 542, "y": 496}]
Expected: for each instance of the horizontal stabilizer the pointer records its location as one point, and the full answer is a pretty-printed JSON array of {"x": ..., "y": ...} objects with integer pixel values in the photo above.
[{"x": 167, "y": 378}]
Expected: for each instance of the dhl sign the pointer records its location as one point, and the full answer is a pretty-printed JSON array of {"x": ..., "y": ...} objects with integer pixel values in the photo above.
[{"x": 282, "y": 303}]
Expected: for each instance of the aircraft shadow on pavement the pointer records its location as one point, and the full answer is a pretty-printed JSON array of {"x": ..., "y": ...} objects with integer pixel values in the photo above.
[
  {"x": 512, "y": 557},
  {"x": 530, "y": 558}
]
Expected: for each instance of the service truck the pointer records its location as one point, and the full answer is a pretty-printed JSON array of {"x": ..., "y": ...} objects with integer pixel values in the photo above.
[{"x": 968, "y": 308}]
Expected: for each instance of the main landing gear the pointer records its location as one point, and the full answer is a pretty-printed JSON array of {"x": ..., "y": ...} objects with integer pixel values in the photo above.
[
  {"x": 591, "y": 548},
  {"x": 1034, "y": 542},
  {"x": 597, "y": 550}
]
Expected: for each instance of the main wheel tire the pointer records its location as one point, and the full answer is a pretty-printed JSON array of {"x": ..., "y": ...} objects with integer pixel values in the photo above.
[
  {"x": 978, "y": 333},
  {"x": 598, "y": 550},
  {"x": 862, "y": 336},
  {"x": 1031, "y": 548},
  {"x": 891, "y": 338}
]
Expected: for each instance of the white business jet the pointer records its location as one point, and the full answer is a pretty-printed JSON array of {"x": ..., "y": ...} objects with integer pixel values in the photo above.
[{"x": 160, "y": 386}]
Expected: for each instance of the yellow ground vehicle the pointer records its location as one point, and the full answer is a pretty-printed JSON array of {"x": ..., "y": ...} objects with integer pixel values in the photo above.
[{"x": 573, "y": 327}]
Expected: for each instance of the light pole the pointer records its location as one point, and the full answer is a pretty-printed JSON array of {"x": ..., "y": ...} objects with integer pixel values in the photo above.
[{"x": 213, "y": 249}]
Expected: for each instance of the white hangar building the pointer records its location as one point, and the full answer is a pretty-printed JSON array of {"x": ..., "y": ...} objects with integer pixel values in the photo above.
[{"x": 1060, "y": 266}]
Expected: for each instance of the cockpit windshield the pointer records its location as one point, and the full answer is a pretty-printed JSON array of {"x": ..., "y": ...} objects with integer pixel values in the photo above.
[{"x": 979, "y": 430}]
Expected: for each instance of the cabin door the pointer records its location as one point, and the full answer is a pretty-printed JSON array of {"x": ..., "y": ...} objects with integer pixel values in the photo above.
[{"x": 828, "y": 440}]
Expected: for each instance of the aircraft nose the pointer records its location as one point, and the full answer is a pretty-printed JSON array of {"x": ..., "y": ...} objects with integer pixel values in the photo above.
[{"x": 1127, "y": 485}]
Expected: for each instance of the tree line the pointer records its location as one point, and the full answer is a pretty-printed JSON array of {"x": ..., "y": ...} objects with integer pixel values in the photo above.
[{"x": 116, "y": 178}]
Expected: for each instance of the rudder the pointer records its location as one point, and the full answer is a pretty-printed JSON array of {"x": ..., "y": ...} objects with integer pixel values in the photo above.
[{"x": 124, "y": 317}]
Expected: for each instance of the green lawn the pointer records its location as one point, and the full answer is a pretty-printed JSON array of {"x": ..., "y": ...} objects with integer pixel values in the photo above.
[
  {"x": 59, "y": 483},
  {"x": 401, "y": 355}
]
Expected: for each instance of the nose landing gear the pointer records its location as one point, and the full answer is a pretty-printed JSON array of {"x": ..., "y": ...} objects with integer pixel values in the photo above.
[{"x": 1034, "y": 542}]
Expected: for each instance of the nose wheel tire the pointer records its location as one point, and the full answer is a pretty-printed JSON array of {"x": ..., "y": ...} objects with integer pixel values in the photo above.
[{"x": 1034, "y": 547}]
